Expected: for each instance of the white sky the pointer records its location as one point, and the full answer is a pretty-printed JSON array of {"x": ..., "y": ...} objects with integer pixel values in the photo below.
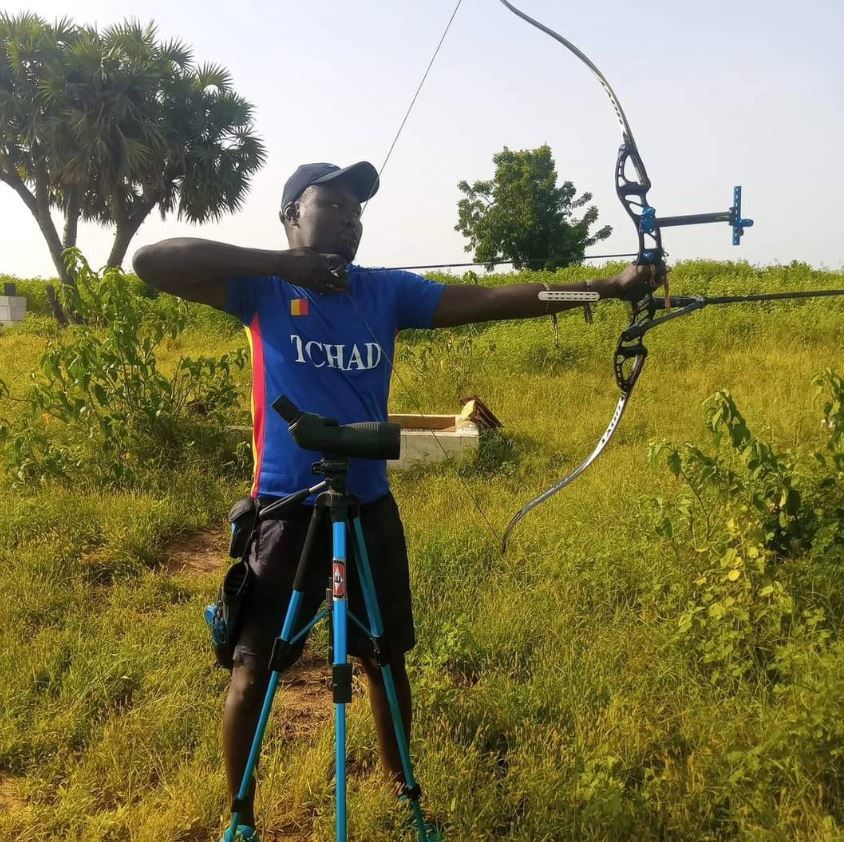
[{"x": 718, "y": 93}]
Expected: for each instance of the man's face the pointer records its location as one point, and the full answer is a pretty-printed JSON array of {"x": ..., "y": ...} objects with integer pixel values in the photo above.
[{"x": 326, "y": 218}]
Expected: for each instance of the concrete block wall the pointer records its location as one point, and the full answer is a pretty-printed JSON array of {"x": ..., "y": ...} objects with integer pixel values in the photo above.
[{"x": 12, "y": 308}]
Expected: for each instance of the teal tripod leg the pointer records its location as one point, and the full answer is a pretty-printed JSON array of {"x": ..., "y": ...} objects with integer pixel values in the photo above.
[
  {"x": 412, "y": 789},
  {"x": 279, "y": 660},
  {"x": 341, "y": 669}
]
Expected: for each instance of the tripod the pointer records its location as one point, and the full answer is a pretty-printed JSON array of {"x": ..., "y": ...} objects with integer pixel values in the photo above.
[{"x": 335, "y": 505}]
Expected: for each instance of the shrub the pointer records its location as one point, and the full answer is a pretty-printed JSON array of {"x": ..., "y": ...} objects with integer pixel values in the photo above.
[
  {"x": 101, "y": 410},
  {"x": 762, "y": 526}
]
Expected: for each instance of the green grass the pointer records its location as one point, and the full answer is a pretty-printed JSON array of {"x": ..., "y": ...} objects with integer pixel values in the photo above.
[{"x": 553, "y": 698}]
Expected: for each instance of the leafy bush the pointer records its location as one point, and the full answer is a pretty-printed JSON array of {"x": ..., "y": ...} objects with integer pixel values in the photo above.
[
  {"x": 100, "y": 410},
  {"x": 34, "y": 324},
  {"x": 763, "y": 527}
]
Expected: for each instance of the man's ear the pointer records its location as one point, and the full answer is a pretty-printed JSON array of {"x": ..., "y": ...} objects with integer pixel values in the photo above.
[{"x": 289, "y": 214}]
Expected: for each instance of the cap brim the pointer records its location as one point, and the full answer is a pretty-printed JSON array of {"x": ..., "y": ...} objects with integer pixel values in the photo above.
[{"x": 362, "y": 177}]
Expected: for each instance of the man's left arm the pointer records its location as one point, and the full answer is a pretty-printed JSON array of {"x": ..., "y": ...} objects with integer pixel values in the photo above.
[{"x": 463, "y": 304}]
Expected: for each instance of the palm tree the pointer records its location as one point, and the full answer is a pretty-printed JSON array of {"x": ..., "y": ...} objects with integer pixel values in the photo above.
[{"x": 106, "y": 126}]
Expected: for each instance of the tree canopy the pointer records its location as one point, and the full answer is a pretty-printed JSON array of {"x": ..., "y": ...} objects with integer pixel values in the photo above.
[
  {"x": 105, "y": 126},
  {"x": 523, "y": 216}
]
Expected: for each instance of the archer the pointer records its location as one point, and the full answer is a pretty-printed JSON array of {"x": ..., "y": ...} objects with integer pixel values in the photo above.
[{"x": 322, "y": 331}]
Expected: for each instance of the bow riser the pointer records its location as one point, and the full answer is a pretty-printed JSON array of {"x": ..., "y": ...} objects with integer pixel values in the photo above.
[{"x": 633, "y": 195}]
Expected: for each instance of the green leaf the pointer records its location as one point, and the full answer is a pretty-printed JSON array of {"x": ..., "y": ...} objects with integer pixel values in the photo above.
[{"x": 100, "y": 394}]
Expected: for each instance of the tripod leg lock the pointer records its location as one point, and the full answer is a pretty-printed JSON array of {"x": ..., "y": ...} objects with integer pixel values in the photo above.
[
  {"x": 414, "y": 793},
  {"x": 341, "y": 683},
  {"x": 283, "y": 656}
]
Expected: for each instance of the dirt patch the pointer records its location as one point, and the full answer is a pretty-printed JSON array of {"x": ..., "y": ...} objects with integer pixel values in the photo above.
[
  {"x": 304, "y": 703},
  {"x": 199, "y": 552},
  {"x": 11, "y": 800},
  {"x": 286, "y": 836},
  {"x": 287, "y": 832}
]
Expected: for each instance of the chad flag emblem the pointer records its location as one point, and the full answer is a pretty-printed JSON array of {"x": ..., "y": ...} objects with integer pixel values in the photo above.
[{"x": 299, "y": 307}]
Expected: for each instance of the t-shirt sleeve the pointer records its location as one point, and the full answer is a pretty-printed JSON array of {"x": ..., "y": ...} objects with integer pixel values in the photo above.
[
  {"x": 416, "y": 300},
  {"x": 243, "y": 296}
]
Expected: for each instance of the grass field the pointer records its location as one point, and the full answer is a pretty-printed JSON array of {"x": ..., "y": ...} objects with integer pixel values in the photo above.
[{"x": 559, "y": 692}]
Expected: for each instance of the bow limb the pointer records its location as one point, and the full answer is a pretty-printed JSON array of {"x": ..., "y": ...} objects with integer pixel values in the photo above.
[
  {"x": 619, "y": 111},
  {"x": 632, "y": 191},
  {"x": 571, "y": 477}
]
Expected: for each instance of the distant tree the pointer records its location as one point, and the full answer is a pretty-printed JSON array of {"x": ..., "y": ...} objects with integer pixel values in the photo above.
[
  {"x": 106, "y": 126},
  {"x": 521, "y": 214}
]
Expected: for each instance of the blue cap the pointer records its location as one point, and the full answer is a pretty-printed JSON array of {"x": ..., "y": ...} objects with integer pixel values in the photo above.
[{"x": 362, "y": 177}]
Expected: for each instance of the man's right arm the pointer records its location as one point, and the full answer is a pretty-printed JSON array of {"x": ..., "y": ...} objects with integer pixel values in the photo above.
[{"x": 201, "y": 269}]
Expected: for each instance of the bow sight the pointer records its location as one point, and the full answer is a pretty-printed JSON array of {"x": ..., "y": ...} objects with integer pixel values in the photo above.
[{"x": 649, "y": 221}]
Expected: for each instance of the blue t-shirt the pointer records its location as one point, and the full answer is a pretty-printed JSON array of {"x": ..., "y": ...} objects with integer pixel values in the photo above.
[{"x": 316, "y": 350}]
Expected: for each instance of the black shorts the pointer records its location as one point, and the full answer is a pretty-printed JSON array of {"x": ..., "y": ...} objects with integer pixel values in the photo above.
[{"x": 274, "y": 557}]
